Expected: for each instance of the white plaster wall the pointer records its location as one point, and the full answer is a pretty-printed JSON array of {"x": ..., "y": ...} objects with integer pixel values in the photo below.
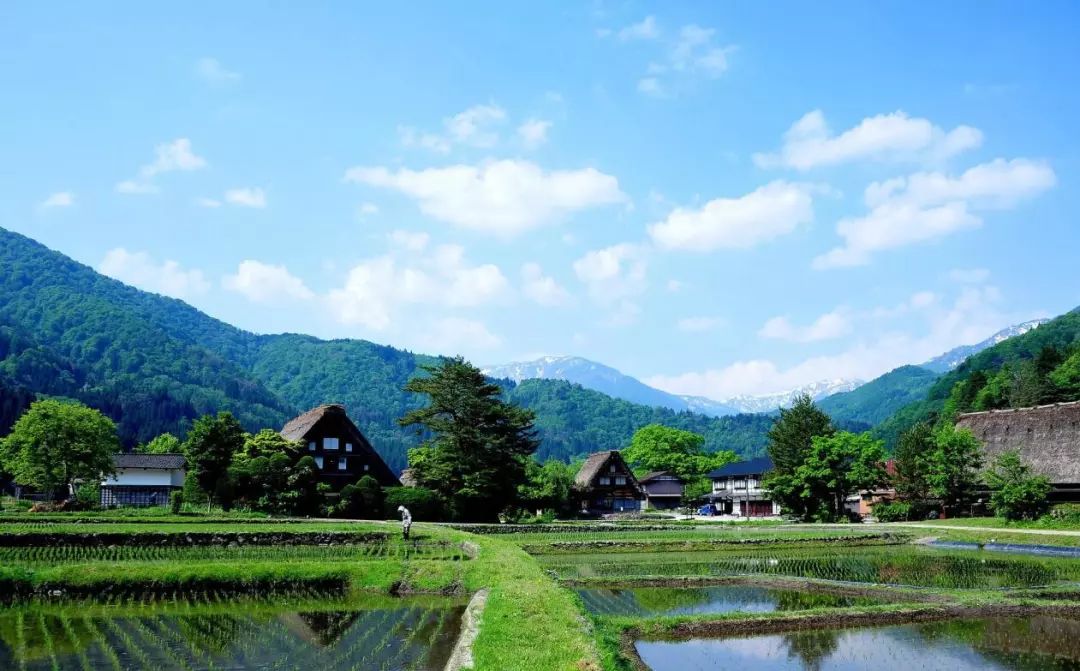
[{"x": 154, "y": 477}]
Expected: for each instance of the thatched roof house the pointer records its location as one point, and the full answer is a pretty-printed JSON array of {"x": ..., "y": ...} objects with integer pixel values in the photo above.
[
  {"x": 341, "y": 452},
  {"x": 1047, "y": 437},
  {"x": 606, "y": 484}
]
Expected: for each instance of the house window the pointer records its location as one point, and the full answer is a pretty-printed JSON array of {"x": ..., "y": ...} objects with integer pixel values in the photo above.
[
  {"x": 311, "y": 446},
  {"x": 619, "y": 480},
  {"x": 611, "y": 469},
  {"x": 605, "y": 481},
  {"x": 366, "y": 467},
  {"x": 342, "y": 464},
  {"x": 348, "y": 447},
  {"x": 318, "y": 462},
  {"x": 329, "y": 443}
]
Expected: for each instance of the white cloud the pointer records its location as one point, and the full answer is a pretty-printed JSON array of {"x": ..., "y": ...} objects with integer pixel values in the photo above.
[
  {"x": 646, "y": 29},
  {"x": 650, "y": 86},
  {"x": 969, "y": 275},
  {"x": 886, "y": 137},
  {"x": 475, "y": 127},
  {"x": 691, "y": 54},
  {"x": 413, "y": 241},
  {"x": 246, "y": 197},
  {"x": 456, "y": 335},
  {"x": 927, "y": 206},
  {"x": 828, "y": 326},
  {"x": 614, "y": 276},
  {"x": 265, "y": 283},
  {"x": 367, "y": 209},
  {"x": 699, "y": 324},
  {"x": 168, "y": 157},
  {"x": 540, "y": 288},
  {"x": 213, "y": 72},
  {"x": 504, "y": 197},
  {"x": 58, "y": 199},
  {"x": 141, "y": 270},
  {"x": 533, "y": 132},
  {"x": 695, "y": 51},
  {"x": 207, "y": 202},
  {"x": 970, "y": 317},
  {"x": 766, "y": 213},
  {"x": 376, "y": 289}
]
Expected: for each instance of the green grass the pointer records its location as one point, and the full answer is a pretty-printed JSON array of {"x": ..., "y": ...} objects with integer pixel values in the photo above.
[{"x": 1043, "y": 523}]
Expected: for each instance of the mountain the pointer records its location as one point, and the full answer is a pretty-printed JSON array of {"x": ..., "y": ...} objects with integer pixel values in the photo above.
[
  {"x": 770, "y": 402},
  {"x": 605, "y": 379},
  {"x": 154, "y": 364},
  {"x": 956, "y": 356},
  {"x": 876, "y": 400},
  {"x": 1019, "y": 352}
]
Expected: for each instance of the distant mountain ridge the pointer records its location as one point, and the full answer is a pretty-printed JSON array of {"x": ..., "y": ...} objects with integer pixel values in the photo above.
[
  {"x": 817, "y": 391},
  {"x": 956, "y": 356}
]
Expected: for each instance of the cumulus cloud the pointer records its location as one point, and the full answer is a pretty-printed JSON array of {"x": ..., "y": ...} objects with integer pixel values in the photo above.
[
  {"x": 246, "y": 197},
  {"x": 457, "y": 335},
  {"x": 646, "y": 29},
  {"x": 174, "y": 156},
  {"x": 969, "y": 275},
  {"x": 766, "y": 213},
  {"x": 58, "y": 199},
  {"x": 930, "y": 205},
  {"x": 613, "y": 274},
  {"x": 208, "y": 202},
  {"x": 265, "y": 283},
  {"x": 475, "y": 127},
  {"x": 141, "y": 270},
  {"x": 970, "y": 317},
  {"x": 540, "y": 288},
  {"x": 828, "y": 326},
  {"x": 213, "y": 72},
  {"x": 533, "y": 132},
  {"x": 504, "y": 198},
  {"x": 809, "y": 143},
  {"x": 413, "y": 241},
  {"x": 376, "y": 289}
]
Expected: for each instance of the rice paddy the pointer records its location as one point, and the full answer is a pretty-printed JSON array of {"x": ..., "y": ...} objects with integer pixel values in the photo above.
[{"x": 671, "y": 601}]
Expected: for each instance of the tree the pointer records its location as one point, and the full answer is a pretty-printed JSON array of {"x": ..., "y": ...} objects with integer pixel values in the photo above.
[
  {"x": 479, "y": 445},
  {"x": 661, "y": 448},
  {"x": 836, "y": 466},
  {"x": 794, "y": 430},
  {"x": 166, "y": 443},
  {"x": 210, "y": 447},
  {"x": 1016, "y": 494},
  {"x": 952, "y": 465},
  {"x": 55, "y": 443},
  {"x": 997, "y": 392},
  {"x": 910, "y": 459},
  {"x": 547, "y": 486},
  {"x": 362, "y": 501},
  {"x": 1066, "y": 378},
  {"x": 304, "y": 494}
]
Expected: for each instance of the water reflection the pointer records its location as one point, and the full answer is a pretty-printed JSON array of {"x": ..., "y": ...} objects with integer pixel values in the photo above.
[
  {"x": 655, "y": 601},
  {"x": 1017, "y": 644}
]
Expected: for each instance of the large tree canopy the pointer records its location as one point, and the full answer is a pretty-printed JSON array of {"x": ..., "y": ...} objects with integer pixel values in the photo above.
[
  {"x": 55, "y": 443},
  {"x": 479, "y": 445},
  {"x": 210, "y": 447}
]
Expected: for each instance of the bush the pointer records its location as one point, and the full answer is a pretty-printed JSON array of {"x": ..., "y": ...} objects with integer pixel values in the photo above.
[
  {"x": 425, "y": 505},
  {"x": 176, "y": 502},
  {"x": 1066, "y": 512},
  {"x": 1016, "y": 493},
  {"x": 362, "y": 501},
  {"x": 904, "y": 511},
  {"x": 88, "y": 496}
]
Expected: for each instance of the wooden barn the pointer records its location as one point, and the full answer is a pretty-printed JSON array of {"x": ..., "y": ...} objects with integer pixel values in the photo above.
[
  {"x": 1047, "y": 437},
  {"x": 341, "y": 452},
  {"x": 605, "y": 484}
]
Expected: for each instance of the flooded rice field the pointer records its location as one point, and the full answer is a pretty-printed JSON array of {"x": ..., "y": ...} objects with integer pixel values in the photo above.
[
  {"x": 1022, "y": 644},
  {"x": 356, "y": 633},
  {"x": 894, "y": 565},
  {"x": 665, "y": 601}
]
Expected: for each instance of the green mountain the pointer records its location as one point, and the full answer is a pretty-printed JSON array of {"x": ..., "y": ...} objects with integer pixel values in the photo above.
[
  {"x": 154, "y": 364},
  {"x": 880, "y": 398},
  {"x": 1018, "y": 355}
]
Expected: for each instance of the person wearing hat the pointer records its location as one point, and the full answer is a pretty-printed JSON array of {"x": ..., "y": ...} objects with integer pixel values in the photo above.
[{"x": 406, "y": 521}]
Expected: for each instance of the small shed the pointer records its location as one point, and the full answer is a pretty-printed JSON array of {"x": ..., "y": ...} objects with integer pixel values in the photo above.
[
  {"x": 663, "y": 490},
  {"x": 143, "y": 479}
]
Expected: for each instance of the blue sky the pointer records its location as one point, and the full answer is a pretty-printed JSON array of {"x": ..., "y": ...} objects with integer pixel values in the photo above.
[{"x": 717, "y": 198}]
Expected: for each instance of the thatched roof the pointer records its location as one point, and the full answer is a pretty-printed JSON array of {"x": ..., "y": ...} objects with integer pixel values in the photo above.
[
  {"x": 1047, "y": 437},
  {"x": 167, "y": 461},
  {"x": 299, "y": 426},
  {"x": 595, "y": 462}
]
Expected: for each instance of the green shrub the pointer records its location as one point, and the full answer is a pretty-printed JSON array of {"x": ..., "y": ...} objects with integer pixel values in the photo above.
[
  {"x": 88, "y": 496},
  {"x": 1065, "y": 512},
  {"x": 176, "y": 502},
  {"x": 425, "y": 505},
  {"x": 892, "y": 512},
  {"x": 1016, "y": 493}
]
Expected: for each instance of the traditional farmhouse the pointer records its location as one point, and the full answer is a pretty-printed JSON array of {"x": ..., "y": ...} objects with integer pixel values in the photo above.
[
  {"x": 1047, "y": 437},
  {"x": 663, "y": 490},
  {"x": 736, "y": 489},
  {"x": 143, "y": 479},
  {"x": 605, "y": 484},
  {"x": 341, "y": 452}
]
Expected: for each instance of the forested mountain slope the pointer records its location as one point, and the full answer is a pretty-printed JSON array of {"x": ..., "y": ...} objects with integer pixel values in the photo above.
[
  {"x": 878, "y": 399},
  {"x": 154, "y": 364}
]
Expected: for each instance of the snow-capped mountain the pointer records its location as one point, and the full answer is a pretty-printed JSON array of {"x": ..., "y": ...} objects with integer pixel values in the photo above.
[
  {"x": 956, "y": 356},
  {"x": 605, "y": 379},
  {"x": 770, "y": 402}
]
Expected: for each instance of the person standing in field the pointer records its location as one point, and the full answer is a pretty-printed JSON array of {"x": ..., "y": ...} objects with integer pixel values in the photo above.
[{"x": 406, "y": 521}]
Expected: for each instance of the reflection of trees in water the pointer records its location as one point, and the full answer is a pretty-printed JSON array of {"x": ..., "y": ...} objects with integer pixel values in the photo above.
[
  {"x": 663, "y": 599},
  {"x": 789, "y": 599},
  {"x": 329, "y": 626},
  {"x": 813, "y": 646},
  {"x": 209, "y": 634}
]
